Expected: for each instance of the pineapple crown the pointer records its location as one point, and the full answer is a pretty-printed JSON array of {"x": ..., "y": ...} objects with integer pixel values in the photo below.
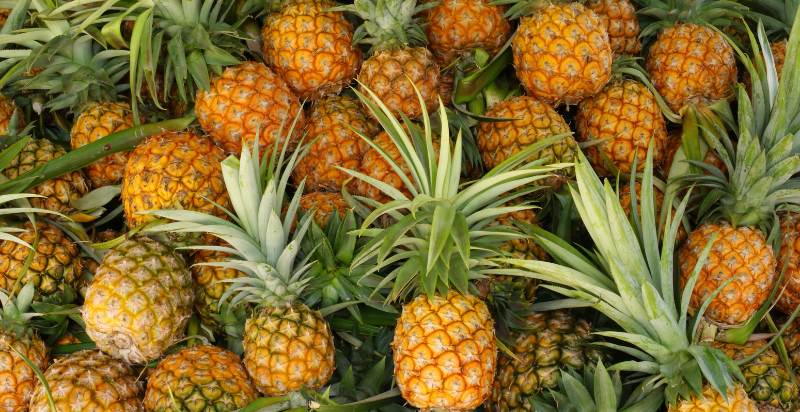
[
  {"x": 763, "y": 162},
  {"x": 777, "y": 15},
  {"x": 444, "y": 233},
  {"x": 17, "y": 315},
  {"x": 660, "y": 14},
  {"x": 388, "y": 24},
  {"x": 259, "y": 231},
  {"x": 630, "y": 279}
]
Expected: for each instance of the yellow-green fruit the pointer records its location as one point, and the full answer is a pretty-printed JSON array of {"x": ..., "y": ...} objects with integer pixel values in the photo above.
[
  {"x": 17, "y": 379},
  {"x": 712, "y": 401},
  {"x": 562, "y": 53},
  {"x": 210, "y": 283},
  {"x": 245, "y": 101},
  {"x": 311, "y": 48},
  {"x": 625, "y": 120},
  {"x": 88, "y": 381},
  {"x": 287, "y": 348},
  {"x": 95, "y": 122},
  {"x": 173, "y": 170},
  {"x": 58, "y": 192},
  {"x": 392, "y": 75},
  {"x": 199, "y": 379},
  {"x": 55, "y": 264},
  {"x": 766, "y": 380},
  {"x": 445, "y": 352},
  {"x": 139, "y": 300},
  {"x": 457, "y": 27}
]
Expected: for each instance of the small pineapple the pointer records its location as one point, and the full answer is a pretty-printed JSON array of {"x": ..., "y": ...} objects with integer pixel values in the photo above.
[
  {"x": 619, "y": 17},
  {"x": 88, "y": 381},
  {"x": 311, "y": 47},
  {"x": 766, "y": 380},
  {"x": 139, "y": 301},
  {"x": 457, "y": 27},
  {"x": 712, "y": 401},
  {"x": 325, "y": 205},
  {"x": 199, "y": 378},
  {"x": 172, "y": 169},
  {"x": 95, "y": 122},
  {"x": 246, "y": 101}
]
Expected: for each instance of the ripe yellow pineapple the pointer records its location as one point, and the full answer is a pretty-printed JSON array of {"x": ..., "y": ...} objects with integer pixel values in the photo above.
[
  {"x": 619, "y": 17},
  {"x": 626, "y": 119},
  {"x": 139, "y": 301},
  {"x": 712, "y": 401},
  {"x": 789, "y": 262},
  {"x": 199, "y": 378},
  {"x": 210, "y": 283},
  {"x": 562, "y": 53},
  {"x": 332, "y": 128},
  {"x": 55, "y": 264},
  {"x": 456, "y": 27},
  {"x": 58, "y": 192},
  {"x": 95, "y": 122},
  {"x": 326, "y": 204},
  {"x": 172, "y": 169},
  {"x": 398, "y": 61},
  {"x": 88, "y": 381},
  {"x": 311, "y": 47},
  {"x": 245, "y": 101}
]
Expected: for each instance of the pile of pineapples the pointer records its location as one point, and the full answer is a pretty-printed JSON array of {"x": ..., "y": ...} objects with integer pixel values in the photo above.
[{"x": 389, "y": 205}]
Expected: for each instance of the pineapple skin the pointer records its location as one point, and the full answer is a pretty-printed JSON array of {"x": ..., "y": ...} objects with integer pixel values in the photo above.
[
  {"x": 553, "y": 341},
  {"x": 246, "y": 100},
  {"x": 59, "y": 192},
  {"x": 311, "y": 48},
  {"x": 199, "y": 378},
  {"x": 789, "y": 258},
  {"x": 712, "y": 401},
  {"x": 739, "y": 253},
  {"x": 89, "y": 381},
  {"x": 56, "y": 263},
  {"x": 456, "y": 27},
  {"x": 173, "y": 170},
  {"x": 210, "y": 283},
  {"x": 287, "y": 348},
  {"x": 326, "y": 203},
  {"x": 444, "y": 352},
  {"x": 562, "y": 53},
  {"x": 626, "y": 117},
  {"x": 139, "y": 301},
  {"x": 333, "y": 128},
  {"x": 619, "y": 18},
  {"x": 689, "y": 63},
  {"x": 7, "y": 105},
  {"x": 392, "y": 74},
  {"x": 17, "y": 377},
  {"x": 95, "y": 122},
  {"x": 766, "y": 380}
]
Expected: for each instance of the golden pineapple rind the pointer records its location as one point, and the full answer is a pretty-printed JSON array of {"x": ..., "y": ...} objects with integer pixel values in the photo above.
[
  {"x": 456, "y": 27},
  {"x": 562, "y": 53},
  {"x": 288, "y": 348},
  {"x": 789, "y": 263},
  {"x": 210, "y": 283},
  {"x": 444, "y": 352},
  {"x": 139, "y": 301},
  {"x": 95, "y": 122},
  {"x": 712, "y": 401},
  {"x": 18, "y": 379},
  {"x": 621, "y": 22},
  {"x": 7, "y": 108},
  {"x": 326, "y": 204}
]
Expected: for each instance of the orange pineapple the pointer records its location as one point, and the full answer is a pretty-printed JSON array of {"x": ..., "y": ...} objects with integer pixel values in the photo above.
[
  {"x": 456, "y": 27},
  {"x": 789, "y": 262},
  {"x": 326, "y": 204},
  {"x": 7, "y": 108},
  {"x": 99, "y": 120},
  {"x": 311, "y": 47},
  {"x": 619, "y": 17}
]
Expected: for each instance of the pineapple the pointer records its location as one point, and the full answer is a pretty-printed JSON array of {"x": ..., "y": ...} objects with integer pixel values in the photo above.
[
  {"x": 457, "y": 27},
  {"x": 333, "y": 128},
  {"x": 18, "y": 339},
  {"x": 675, "y": 143},
  {"x": 789, "y": 262},
  {"x": 324, "y": 205},
  {"x": 172, "y": 169},
  {"x": 88, "y": 381},
  {"x": 54, "y": 266},
  {"x": 246, "y": 101},
  {"x": 287, "y": 345},
  {"x": 626, "y": 119},
  {"x": 562, "y": 52},
  {"x": 545, "y": 343},
  {"x": 311, "y": 48},
  {"x": 139, "y": 301},
  {"x": 199, "y": 378},
  {"x": 619, "y": 17},
  {"x": 767, "y": 381},
  {"x": 58, "y": 193},
  {"x": 99, "y": 120},
  {"x": 398, "y": 62},
  {"x": 210, "y": 283},
  {"x": 4, "y": 13},
  {"x": 736, "y": 400},
  {"x": 7, "y": 108},
  {"x": 444, "y": 348}
]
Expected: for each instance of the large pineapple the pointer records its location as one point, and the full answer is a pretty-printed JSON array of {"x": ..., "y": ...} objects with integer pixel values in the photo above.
[
  {"x": 99, "y": 120},
  {"x": 311, "y": 47},
  {"x": 398, "y": 59},
  {"x": 246, "y": 101},
  {"x": 457, "y": 27},
  {"x": 332, "y": 129},
  {"x": 59, "y": 192},
  {"x": 172, "y": 169},
  {"x": 287, "y": 345},
  {"x": 199, "y": 378},
  {"x": 444, "y": 347},
  {"x": 562, "y": 53},
  {"x": 619, "y": 17},
  {"x": 139, "y": 301},
  {"x": 88, "y": 381}
]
